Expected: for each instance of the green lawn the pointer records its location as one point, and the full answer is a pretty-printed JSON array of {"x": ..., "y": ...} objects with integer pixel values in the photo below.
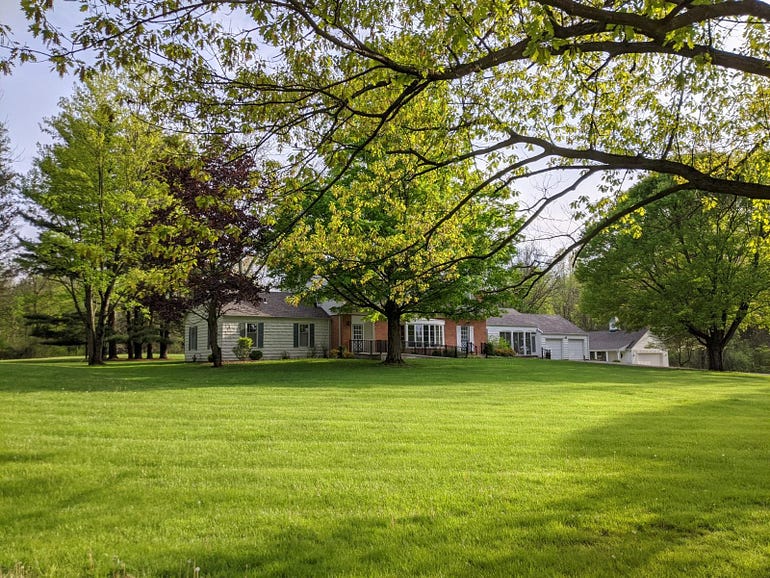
[{"x": 480, "y": 467}]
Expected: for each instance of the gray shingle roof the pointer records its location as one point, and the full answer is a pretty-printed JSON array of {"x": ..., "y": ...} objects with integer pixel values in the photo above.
[
  {"x": 614, "y": 340},
  {"x": 274, "y": 305},
  {"x": 545, "y": 323}
]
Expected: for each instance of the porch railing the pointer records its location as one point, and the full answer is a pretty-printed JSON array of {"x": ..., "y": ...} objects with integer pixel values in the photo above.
[{"x": 379, "y": 346}]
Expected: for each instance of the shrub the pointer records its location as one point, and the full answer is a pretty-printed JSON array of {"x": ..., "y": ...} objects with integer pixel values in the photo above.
[
  {"x": 241, "y": 350},
  {"x": 255, "y": 355}
]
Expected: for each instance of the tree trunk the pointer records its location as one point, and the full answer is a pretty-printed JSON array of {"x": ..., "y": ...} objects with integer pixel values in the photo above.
[
  {"x": 393, "y": 316},
  {"x": 129, "y": 332},
  {"x": 211, "y": 321},
  {"x": 715, "y": 355},
  {"x": 163, "y": 345},
  {"x": 149, "y": 350},
  {"x": 136, "y": 341},
  {"x": 112, "y": 351},
  {"x": 94, "y": 330}
]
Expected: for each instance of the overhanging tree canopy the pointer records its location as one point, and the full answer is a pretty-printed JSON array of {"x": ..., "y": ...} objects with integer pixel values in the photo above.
[{"x": 539, "y": 85}]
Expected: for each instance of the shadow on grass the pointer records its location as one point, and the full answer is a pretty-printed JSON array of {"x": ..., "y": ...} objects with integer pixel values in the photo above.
[
  {"x": 68, "y": 374},
  {"x": 675, "y": 493}
]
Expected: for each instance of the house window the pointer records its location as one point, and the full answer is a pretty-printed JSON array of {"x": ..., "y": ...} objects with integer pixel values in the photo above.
[
  {"x": 424, "y": 335},
  {"x": 598, "y": 356},
  {"x": 254, "y": 330},
  {"x": 192, "y": 338},
  {"x": 465, "y": 336},
  {"x": 304, "y": 335},
  {"x": 506, "y": 336},
  {"x": 523, "y": 342}
]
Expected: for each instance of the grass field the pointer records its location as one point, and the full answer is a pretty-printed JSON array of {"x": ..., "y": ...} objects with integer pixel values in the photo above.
[{"x": 497, "y": 467}]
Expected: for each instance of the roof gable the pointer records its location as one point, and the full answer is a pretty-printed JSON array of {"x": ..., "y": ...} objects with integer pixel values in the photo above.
[
  {"x": 542, "y": 322},
  {"x": 274, "y": 305},
  {"x": 614, "y": 340}
]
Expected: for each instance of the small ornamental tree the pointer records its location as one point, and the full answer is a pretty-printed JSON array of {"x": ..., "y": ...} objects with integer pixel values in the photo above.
[{"x": 211, "y": 236}]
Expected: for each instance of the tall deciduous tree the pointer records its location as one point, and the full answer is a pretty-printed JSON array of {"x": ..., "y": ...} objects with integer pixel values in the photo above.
[
  {"x": 215, "y": 230},
  {"x": 393, "y": 239},
  {"x": 694, "y": 264},
  {"x": 91, "y": 191}
]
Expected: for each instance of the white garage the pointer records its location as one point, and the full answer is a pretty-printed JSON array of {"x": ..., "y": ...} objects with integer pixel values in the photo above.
[
  {"x": 531, "y": 334},
  {"x": 628, "y": 347}
]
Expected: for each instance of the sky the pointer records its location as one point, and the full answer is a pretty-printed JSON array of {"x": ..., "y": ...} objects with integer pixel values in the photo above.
[{"x": 32, "y": 92}]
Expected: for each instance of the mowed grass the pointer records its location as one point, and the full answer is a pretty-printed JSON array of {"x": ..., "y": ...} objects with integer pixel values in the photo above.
[{"x": 479, "y": 467}]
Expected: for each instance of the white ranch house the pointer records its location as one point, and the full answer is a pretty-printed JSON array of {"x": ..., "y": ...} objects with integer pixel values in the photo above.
[
  {"x": 281, "y": 330},
  {"x": 276, "y": 328},
  {"x": 539, "y": 335}
]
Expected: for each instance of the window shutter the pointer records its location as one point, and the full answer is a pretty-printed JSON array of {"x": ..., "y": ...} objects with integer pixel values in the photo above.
[
  {"x": 242, "y": 329},
  {"x": 312, "y": 335},
  {"x": 296, "y": 335},
  {"x": 260, "y": 335}
]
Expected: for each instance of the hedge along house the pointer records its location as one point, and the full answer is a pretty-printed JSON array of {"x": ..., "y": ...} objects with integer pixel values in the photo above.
[
  {"x": 279, "y": 330},
  {"x": 539, "y": 335}
]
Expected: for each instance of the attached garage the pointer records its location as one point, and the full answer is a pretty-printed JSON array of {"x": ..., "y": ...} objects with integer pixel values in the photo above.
[{"x": 551, "y": 333}]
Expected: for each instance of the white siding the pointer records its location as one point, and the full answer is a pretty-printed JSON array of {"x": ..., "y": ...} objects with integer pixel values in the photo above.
[
  {"x": 202, "y": 351},
  {"x": 649, "y": 351},
  {"x": 278, "y": 337}
]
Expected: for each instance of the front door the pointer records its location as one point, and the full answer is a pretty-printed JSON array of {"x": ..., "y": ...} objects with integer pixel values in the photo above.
[
  {"x": 465, "y": 338},
  {"x": 357, "y": 337}
]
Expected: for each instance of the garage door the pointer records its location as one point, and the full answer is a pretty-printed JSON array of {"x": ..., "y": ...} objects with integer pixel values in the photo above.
[
  {"x": 651, "y": 358},
  {"x": 555, "y": 346},
  {"x": 575, "y": 348}
]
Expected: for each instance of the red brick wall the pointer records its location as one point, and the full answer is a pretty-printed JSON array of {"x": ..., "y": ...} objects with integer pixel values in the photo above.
[
  {"x": 381, "y": 330},
  {"x": 340, "y": 328}
]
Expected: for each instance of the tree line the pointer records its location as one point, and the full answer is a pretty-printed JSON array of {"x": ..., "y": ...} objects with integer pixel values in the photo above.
[{"x": 392, "y": 137}]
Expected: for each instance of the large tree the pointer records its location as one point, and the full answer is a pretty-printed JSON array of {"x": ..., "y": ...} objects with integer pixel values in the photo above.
[
  {"x": 392, "y": 239},
  {"x": 594, "y": 87},
  {"x": 213, "y": 233},
  {"x": 91, "y": 191},
  {"x": 694, "y": 264}
]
